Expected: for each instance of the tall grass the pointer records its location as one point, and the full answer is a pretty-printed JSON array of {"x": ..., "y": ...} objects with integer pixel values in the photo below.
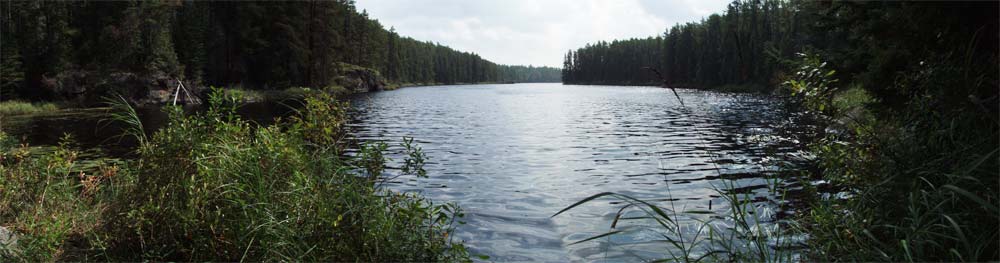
[
  {"x": 213, "y": 187},
  {"x": 744, "y": 231},
  {"x": 13, "y": 107}
]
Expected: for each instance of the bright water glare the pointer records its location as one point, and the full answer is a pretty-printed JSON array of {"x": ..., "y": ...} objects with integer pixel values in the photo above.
[{"x": 514, "y": 155}]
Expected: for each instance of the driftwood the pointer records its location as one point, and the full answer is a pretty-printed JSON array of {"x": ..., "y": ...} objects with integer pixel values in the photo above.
[
  {"x": 177, "y": 92},
  {"x": 665, "y": 85}
]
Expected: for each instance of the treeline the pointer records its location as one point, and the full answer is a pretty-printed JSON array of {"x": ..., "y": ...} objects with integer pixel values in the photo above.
[
  {"x": 739, "y": 46},
  {"x": 753, "y": 41},
  {"x": 530, "y": 74},
  {"x": 253, "y": 44}
]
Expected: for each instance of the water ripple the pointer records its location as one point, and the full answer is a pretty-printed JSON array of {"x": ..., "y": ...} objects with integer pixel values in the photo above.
[{"x": 513, "y": 155}]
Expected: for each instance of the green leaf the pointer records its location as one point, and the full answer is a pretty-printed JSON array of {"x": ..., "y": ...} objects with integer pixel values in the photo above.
[
  {"x": 972, "y": 196},
  {"x": 596, "y": 237},
  {"x": 585, "y": 200}
]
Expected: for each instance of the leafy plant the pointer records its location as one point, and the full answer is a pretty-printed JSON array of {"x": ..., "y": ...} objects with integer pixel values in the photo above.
[{"x": 812, "y": 83}]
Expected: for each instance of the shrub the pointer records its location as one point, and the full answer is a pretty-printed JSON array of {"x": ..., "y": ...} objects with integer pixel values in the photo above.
[
  {"x": 213, "y": 187},
  {"x": 920, "y": 175},
  {"x": 46, "y": 202}
]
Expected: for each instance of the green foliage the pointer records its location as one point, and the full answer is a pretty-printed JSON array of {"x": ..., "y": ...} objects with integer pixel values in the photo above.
[
  {"x": 121, "y": 112},
  {"x": 851, "y": 99},
  {"x": 11, "y": 69},
  {"x": 46, "y": 201},
  {"x": 812, "y": 83},
  {"x": 938, "y": 169},
  {"x": 13, "y": 107},
  {"x": 210, "y": 186},
  {"x": 915, "y": 145},
  {"x": 322, "y": 120},
  {"x": 414, "y": 161}
]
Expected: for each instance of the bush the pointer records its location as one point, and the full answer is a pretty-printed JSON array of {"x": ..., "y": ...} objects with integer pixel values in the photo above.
[
  {"x": 46, "y": 202},
  {"x": 213, "y": 187},
  {"x": 920, "y": 177}
]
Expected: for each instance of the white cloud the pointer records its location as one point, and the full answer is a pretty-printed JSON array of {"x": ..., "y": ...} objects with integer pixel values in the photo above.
[{"x": 536, "y": 32}]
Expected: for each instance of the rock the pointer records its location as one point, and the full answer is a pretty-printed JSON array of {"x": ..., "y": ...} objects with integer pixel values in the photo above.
[
  {"x": 89, "y": 88},
  {"x": 358, "y": 79},
  {"x": 8, "y": 240}
]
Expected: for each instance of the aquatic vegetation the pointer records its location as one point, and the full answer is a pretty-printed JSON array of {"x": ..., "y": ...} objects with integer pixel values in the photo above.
[
  {"x": 13, "y": 107},
  {"x": 211, "y": 186},
  {"x": 745, "y": 231}
]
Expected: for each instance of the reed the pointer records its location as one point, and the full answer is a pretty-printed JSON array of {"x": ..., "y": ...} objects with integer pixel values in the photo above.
[{"x": 743, "y": 232}]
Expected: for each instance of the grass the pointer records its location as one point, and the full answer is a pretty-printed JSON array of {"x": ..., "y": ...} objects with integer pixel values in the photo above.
[
  {"x": 13, "y": 107},
  {"x": 742, "y": 233},
  {"x": 740, "y": 230},
  {"x": 213, "y": 187}
]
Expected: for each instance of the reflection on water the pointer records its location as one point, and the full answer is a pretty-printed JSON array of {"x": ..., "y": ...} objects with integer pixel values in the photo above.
[{"x": 514, "y": 155}]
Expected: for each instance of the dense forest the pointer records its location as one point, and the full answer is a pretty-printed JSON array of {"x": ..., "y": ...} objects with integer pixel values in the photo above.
[
  {"x": 261, "y": 45},
  {"x": 753, "y": 42},
  {"x": 907, "y": 98},
  {"x": 742, "y": 45}
]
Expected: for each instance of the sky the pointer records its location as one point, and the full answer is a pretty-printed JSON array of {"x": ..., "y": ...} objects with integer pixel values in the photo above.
[{"x": 533, "y": 32}]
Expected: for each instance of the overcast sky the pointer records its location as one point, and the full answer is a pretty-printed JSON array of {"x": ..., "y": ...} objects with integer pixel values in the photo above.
[{"x": 535, "y": 32}]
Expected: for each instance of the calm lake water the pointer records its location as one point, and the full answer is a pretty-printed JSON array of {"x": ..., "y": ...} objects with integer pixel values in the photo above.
[{"x": 513, "y": 155}]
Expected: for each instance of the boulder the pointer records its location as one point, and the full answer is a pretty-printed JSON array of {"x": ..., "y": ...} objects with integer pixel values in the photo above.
[
  {"x": 8, "y": 241},
  {"x": 89, "y": 88},
  {"x": 358, "y": 79}
]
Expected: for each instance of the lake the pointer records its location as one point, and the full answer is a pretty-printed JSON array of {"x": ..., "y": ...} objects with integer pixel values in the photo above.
[{"x": 514, "y": 155}]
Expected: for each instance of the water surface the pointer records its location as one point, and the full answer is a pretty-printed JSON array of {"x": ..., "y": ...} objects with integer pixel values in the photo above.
[{"x": 514, "y": 155}]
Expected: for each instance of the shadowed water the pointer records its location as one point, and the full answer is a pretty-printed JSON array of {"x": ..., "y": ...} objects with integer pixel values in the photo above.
[{"x": 514, "y": 155}]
